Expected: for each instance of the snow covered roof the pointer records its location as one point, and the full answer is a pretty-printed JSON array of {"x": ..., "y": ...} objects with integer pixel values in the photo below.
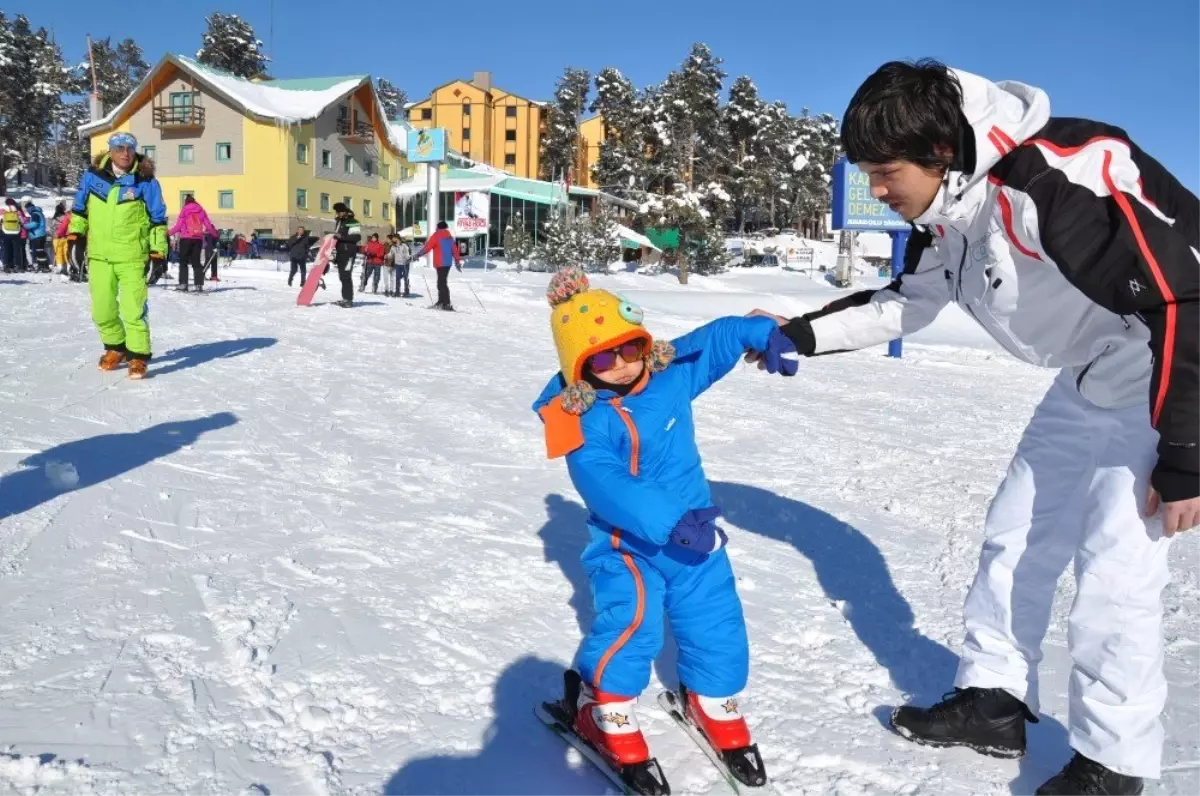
[
  {"x": 627, "y": 235},
  {"x": 283, "y": 101}
]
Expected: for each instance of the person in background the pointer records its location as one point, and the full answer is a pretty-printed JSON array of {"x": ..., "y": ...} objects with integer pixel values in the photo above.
[
  {"x": 348, "y": 233},
  {"x": 35, "y": 226},
  {"x": 373, "y": 252},
  {"x": 119, "y": 211},
  {"x": 11, "y": 225},
  {"x": 445, "y": 253},
  {"x": 253, "y": 246},
  {"x": 241, "y": 247},
  {"x": 402, "y": 258},
  {"x": 58, "y": 229},
  {"x": 190, "y": 226},
  {"x": 298, "y": 246}
]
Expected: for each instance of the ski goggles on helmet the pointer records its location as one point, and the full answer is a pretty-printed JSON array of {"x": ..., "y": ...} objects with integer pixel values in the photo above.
[
  {"x": 122, "y": 141},
  {"x": 607, "y": 360}
]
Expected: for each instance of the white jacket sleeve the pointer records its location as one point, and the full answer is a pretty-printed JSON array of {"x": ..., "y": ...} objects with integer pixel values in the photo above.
[{"x": 907, "y": 305}]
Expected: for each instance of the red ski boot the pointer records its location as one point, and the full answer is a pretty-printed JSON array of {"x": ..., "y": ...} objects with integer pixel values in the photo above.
[
  {"x": 608, "y": 723},
  {"x": 720, "y": 720}
]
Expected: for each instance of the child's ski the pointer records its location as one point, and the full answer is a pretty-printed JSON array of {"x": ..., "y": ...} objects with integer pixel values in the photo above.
[
  {"x": 647, "y": 779},
  {"x": 751, "y": 768}
]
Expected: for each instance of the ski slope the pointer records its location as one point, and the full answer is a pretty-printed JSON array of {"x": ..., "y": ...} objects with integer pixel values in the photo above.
[{"x": 320, "y": 551}]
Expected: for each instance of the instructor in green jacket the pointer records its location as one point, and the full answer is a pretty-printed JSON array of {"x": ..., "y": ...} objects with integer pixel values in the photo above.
[{"x": 120, "y": 217}]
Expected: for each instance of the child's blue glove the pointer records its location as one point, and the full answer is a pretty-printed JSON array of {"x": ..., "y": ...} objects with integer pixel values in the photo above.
[
  {"x": 698, "y": 531},
  {"x": 779, "y": 344}
]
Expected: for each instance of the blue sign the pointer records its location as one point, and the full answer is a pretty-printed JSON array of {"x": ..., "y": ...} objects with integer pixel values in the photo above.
[
  {"x": 427, "y": 146},
  {"x": 853, "y": 205}
]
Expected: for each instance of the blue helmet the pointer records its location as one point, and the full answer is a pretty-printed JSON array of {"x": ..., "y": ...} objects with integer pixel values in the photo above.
[{"x": 122, "y": 140}]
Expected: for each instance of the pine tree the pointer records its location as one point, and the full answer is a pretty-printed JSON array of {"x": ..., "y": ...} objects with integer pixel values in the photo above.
[
  {"x": 229, "y": 44},
  {"x": 691, "y": 100},
  {"x": 708, "y": 253},
  {"x": 31, "y": 84},
  {"x": 620, "y": 169},
  {"x": 561, "y": 144},
  {"x": 743, "y": 119},
  {"x": 392, "y": 98},
  {"x": 118, "y": 71},
  {"x": 600, "y": 241},
  {"x": 557, "y": 245},
  {"x": 518, "y": 245}
]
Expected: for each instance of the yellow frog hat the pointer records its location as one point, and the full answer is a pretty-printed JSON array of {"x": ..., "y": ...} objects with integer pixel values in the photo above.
[{"x": 584, "y": 322}]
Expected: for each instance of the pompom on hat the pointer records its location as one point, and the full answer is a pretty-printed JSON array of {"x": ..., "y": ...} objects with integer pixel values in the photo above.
[{"x": 585, "y": 322}]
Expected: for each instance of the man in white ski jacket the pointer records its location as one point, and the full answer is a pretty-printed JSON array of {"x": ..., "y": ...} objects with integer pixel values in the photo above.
[{"x": 1074, "y": 250}]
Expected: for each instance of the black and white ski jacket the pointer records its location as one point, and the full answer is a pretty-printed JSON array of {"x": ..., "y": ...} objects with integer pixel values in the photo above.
[{"x": 1072, "y": 248}]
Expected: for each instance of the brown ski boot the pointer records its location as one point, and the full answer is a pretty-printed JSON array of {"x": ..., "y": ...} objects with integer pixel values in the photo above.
[
  {"x": 111, "y": 360},
  {"x": 137, "y": 368}
]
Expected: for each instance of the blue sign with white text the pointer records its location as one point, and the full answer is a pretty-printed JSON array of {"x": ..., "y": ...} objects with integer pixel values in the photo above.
[
  {"x": 427, "y": 146},
  {"x": 853, "y": 205}
]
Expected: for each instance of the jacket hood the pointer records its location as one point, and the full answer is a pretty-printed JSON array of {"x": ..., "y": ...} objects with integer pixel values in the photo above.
[
  {"x": 1000, "y": 117},
  {"x": 144, "y": 165}
]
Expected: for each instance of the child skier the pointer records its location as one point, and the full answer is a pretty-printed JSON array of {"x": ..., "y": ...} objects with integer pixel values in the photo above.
[{"x": 620, "y": 411}]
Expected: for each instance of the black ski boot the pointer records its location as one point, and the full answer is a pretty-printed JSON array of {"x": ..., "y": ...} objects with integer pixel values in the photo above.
[
  {"x": 1085, "y": 777},
  {"x": 181, "y": 288},
  {"x": 989, "y": 720}
]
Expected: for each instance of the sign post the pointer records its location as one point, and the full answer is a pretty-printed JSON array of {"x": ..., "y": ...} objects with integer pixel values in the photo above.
[
  {"x": 429, "y": 147},
  {"x": 854, "y": 208}
]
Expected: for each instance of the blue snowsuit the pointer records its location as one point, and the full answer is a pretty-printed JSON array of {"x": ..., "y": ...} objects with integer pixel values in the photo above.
[{"x": 636, "y": 573}]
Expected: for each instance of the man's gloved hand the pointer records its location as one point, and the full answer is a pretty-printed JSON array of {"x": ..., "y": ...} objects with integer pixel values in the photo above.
[
  {"x": 157, "y": 256},
  {"x": 698, "y": 531},
  {"x": 774, "y": 359}
]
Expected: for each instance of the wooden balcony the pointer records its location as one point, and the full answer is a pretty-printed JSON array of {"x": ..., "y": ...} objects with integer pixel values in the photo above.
[
  {"x": 358, "y": 132},
  {"x": 179, "y": 117}
]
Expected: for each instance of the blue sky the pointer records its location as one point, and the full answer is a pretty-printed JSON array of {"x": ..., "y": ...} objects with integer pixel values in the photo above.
[{"x": 1133, "y": 64}]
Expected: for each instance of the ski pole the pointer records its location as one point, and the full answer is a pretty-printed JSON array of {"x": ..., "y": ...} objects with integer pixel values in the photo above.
[
  {"x": 476, "y": 295},
  {"x": 425, "y": 279}
]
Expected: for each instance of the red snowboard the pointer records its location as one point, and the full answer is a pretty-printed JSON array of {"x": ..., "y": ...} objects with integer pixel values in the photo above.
[{"x": 324, "y": 254}]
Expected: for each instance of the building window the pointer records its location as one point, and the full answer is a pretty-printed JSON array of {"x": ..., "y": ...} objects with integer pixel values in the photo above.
[
  {"x": 386, "y": 170},
  {"x": 510, "y": 135},
  {"x": 225, "y": 200},
  {"x": 366, "y": 208},
  {"x": 301, "y": 153},
  {"x": 368, "y": 167},
  {"x": 510, "y": 111},
  {"x": 187, "y": 153},
  {"x": 224, "y": 152},
  {"x": 348, "y": 164},
  {"x": 324, "y": 203},
  {"x": 387, "y": 211},
  {"x": 342, "y": 111},
  {"x": 427, "y": 113},
  {"x": 301, "y": 198},
  {"x": 348, "y": 202},
  {"x": 510, "y": 159},
  {"x": 149, "y": 152},
  {"x": 466, "y": 109},
  {"x": 326, "y": 159},
  {"x": 183, "y": 195},
  {"x": 466, "y": 134}
]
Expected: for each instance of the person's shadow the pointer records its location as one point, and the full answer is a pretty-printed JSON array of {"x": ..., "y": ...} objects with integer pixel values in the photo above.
[
  {"x": 564, "y": 536},
  {"x": 86, "y": 462},
  {"x": 191, "y": 355},
  {"x": 519, "y": 755},
  {"x": 850, "y": 568}
]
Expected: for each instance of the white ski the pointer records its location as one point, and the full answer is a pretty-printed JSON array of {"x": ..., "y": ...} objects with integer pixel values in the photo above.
[
  {"x": 669, "y": 702},
  {"x": 562, "y": 728}
]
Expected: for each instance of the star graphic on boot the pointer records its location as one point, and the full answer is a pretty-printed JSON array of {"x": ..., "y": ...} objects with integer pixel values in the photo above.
[
  {"x": 619, "y": 719},
  {"x": 730, "y": 705}
]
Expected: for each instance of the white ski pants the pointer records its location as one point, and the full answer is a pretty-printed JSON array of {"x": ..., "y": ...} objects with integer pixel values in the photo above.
[{"x": 1076, "y": 489}]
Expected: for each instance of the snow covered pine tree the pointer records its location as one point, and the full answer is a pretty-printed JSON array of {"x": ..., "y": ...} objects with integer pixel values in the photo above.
[{"x": 230, "y": 44}]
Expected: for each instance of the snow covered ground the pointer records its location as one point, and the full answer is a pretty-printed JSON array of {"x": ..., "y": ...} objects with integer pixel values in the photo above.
[{"x": 320, "y": 550}]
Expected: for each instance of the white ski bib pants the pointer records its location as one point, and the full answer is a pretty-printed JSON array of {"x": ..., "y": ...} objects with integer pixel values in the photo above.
[{"x": 1076, "y": 488}]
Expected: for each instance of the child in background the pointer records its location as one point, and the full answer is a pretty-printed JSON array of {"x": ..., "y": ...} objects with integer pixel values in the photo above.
[{"x": 620, "y": 412}]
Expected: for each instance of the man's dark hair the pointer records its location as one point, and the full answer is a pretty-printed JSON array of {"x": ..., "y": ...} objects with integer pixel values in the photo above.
[
  {"x": 905, "y": 111},
  {"x": 340, "y": 207},
  {"x": 443, "y": 225}
]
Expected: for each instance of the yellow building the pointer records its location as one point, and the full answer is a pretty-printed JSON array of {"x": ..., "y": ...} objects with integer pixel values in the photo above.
[
  {"x": 262, "y": 155},
  {"x": 591, "y": 132},
  {"x": 485, "y": 123}
]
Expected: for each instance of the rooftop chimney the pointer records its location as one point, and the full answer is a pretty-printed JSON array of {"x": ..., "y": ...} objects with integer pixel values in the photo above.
[
  {"x": 483, "y": 80},
  {"x": 95, "y": 108}
]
